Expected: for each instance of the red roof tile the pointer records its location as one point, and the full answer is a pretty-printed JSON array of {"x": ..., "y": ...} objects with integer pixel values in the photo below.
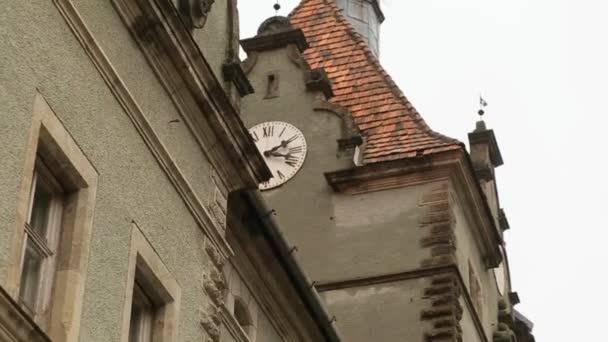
[{"x": 392, "y": 126}]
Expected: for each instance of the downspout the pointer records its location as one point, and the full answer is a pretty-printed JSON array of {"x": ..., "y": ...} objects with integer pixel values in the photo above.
[{"x": 282, "y": 249}]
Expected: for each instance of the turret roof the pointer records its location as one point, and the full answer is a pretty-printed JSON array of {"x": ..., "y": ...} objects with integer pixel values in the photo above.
[{"x": 392, "y": 126}]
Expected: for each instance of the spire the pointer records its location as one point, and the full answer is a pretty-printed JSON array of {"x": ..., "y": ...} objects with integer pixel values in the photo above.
[{"x": 366, "y": 17}]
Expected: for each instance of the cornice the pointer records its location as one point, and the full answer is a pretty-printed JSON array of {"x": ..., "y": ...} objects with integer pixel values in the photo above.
[
  {"x": 198, "y": 210},
  {"x": 275, "y": 41},
  {"x": 210, "y": 114},
  {"x": 454, "y": 166},
  {"x": 409, "y": 275}
]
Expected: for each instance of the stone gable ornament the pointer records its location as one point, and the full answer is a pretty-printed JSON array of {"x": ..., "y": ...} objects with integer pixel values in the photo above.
[{"x": 195, "y": 11}]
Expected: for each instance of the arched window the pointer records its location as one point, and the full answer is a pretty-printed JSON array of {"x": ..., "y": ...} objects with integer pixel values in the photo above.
[{"x": 242, "y": 315}]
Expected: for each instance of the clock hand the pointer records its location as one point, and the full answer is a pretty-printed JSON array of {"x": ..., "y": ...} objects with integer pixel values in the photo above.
[{"x": 283, "y": 143}]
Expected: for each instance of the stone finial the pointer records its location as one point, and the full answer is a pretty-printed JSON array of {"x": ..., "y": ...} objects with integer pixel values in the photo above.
[{"x": 274, "y": 25}]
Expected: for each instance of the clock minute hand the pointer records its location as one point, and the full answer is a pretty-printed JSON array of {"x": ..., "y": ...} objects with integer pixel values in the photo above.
[{"x": 283, "y": 143}]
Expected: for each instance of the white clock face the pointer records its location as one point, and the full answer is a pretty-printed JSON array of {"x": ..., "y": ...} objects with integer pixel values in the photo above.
[
  {"x": 500, "y": 275},
  {"x": 284, "y": 149}
]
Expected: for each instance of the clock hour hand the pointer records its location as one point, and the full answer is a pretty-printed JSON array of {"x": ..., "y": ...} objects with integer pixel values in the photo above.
[{"x": 283, "y": 143}]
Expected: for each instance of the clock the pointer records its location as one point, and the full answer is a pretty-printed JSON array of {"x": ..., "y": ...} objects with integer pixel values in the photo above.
[
  {"x": 284, "y": 149},
  {"x": 500, "y": 274}
]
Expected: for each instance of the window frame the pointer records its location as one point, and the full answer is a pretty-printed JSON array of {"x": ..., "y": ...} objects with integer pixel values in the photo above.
[
  {"x": 46, "y": 245},
  {"x": 147, "y": 271},
  {"x": 50, "y": 141}
]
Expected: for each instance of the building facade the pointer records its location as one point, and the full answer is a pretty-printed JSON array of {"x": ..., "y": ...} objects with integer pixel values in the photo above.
[
  {"x": 154, "y": 187},
  {"x": 399, "y": 227},
  {"x": 125, "y": 173}
]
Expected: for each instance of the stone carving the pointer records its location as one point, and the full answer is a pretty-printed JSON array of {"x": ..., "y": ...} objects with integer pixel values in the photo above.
[
  {"x": 196, "y": 11},
  {"x": 214, "y": 255}
]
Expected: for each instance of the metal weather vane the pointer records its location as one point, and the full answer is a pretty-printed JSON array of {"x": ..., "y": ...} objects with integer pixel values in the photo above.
[{"x": 482, "y": 104}]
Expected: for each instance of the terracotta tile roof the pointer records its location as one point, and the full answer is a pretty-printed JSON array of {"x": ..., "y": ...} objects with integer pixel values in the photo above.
[{"x": 392, "y": 126}]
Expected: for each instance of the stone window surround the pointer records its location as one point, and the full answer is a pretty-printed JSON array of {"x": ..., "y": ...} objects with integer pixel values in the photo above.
[
  {"x": 239, "y": 293},
  {"x": 151, "y": 273},
  {"x": 51, "y": 139}
]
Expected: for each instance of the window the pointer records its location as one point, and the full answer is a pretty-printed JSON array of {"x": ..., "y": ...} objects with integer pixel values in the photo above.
[
  {"x": 153, "y": 296},
  {"x": 272, "y": 85},
  {"x": 42, "y": 231},
  {"x": 142, "y": 316},
  {"x": 52, "y": 228},
  {"x": 242, "y": 316}
]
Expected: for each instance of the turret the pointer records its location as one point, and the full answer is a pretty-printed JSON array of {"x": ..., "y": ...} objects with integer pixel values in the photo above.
[
  {"x": 366, "y": 16},
  {"x": 486, "y": 157}
]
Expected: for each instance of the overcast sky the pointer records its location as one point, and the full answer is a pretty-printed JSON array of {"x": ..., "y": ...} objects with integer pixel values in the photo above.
[{"x": 542, "y": 65}]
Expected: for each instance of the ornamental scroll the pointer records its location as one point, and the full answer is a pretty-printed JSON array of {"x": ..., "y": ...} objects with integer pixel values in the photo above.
[{"x": 195, "y": 11}]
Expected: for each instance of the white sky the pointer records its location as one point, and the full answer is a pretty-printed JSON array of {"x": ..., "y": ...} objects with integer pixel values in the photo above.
[{"x": 542, "y": 65}]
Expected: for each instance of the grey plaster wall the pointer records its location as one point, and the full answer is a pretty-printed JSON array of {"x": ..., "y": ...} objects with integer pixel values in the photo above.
[
  {"x": 333, "y": 231},
  {"x": 468, "y": 254},
  {"x": 386, "y": 312},
  {"x": 213, "y": 38},
  {"x": 469, "y": 333},
  {"x": 43, "y": 54}
]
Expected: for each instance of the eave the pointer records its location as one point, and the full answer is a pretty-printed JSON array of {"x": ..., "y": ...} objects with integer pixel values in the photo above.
[{"x": 208, "y": 111}]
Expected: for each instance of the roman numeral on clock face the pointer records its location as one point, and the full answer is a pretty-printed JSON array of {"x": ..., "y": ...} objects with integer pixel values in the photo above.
[
  {"x": 291, "y": 160},
  {"x": 268, "y": 131},
  {"x": 255, "y": 137},
  {"x": 280, "y": 174},
  {"x": 296, "y": 149}
]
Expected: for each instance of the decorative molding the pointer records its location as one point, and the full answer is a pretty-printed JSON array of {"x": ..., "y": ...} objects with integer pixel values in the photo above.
[
  {"x": 275, "y": 40},
  {"x": 143, "y": 126},
  {"x": 195, "y": 12},
  {"x": 202, "y": 102}
]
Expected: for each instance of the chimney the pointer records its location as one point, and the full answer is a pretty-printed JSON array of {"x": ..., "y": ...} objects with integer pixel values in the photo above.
[{"x": 366, "y": 17}]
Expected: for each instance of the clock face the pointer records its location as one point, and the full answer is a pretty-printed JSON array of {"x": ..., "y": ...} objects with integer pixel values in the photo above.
[
  {"x": 500, "y": 275},
  {"x": 284, "y": 149}
]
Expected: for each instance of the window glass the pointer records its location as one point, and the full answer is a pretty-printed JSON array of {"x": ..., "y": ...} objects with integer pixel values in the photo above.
[
  {"x": 40, "y": 209},
  {"x": 142, "y": 314},
  {"x": 30, "y": 281}
]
